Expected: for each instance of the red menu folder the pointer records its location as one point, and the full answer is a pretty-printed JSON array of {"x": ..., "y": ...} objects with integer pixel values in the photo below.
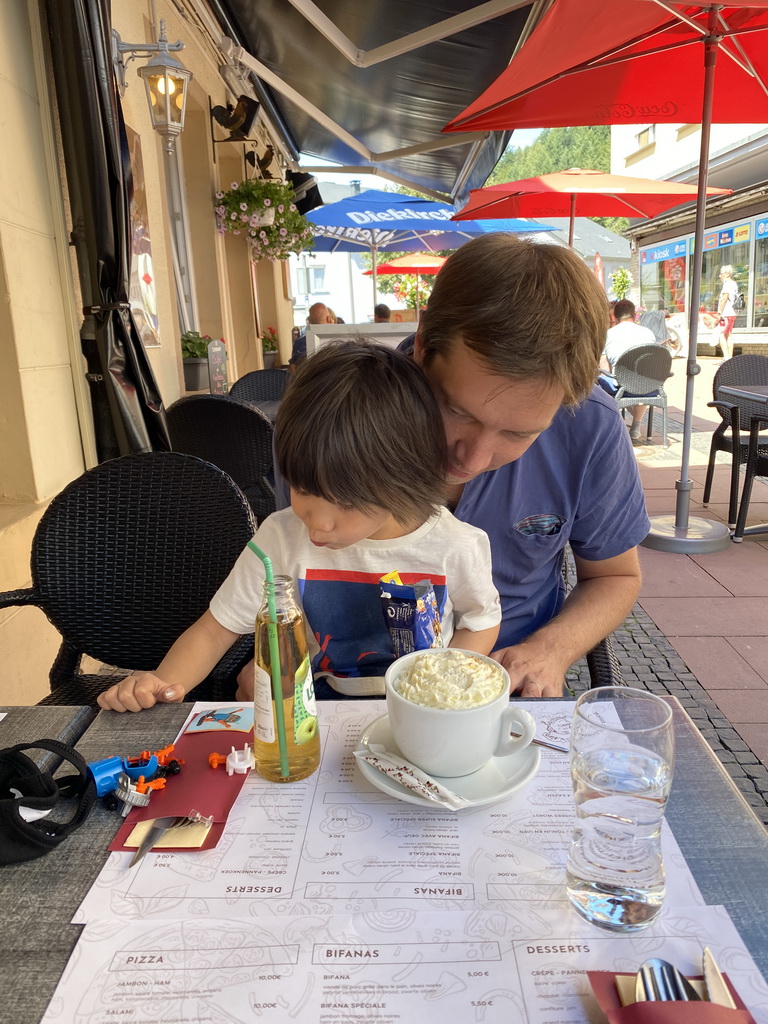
[
  {"x": 672, "y": 1012},
  {"x": 211, "y": 791}
]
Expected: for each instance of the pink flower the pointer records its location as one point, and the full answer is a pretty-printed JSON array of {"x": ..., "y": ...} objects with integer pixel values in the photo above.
[
  {"x": 243, "y": 206},
  {"x": 281, "y": 208},
  {"x": 267, "y": 202}
]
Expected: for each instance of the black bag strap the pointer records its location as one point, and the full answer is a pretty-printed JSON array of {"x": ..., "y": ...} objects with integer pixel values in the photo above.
[{"x": 24, "y": 840}]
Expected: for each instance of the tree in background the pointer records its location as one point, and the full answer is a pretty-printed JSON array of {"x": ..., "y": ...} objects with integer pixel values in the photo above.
[{"x": 558, "y": 149}]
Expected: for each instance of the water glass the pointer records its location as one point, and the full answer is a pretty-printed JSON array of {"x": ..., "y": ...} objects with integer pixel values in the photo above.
[{"x": 622, "y": 758}]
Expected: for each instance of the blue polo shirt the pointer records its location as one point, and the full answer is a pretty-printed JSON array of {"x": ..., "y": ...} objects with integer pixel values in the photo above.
[{"x": 577, "y": 484}]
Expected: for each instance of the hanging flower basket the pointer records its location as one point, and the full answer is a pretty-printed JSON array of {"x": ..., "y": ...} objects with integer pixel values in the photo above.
[{"x": 265, "y": 213}]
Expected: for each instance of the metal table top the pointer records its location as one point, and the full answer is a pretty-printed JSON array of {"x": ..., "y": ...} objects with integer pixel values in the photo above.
[{"x": 724, "y": 843}]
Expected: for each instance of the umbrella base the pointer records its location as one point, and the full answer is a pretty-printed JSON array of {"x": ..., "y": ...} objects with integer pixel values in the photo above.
[{"x": 702, "y": 536}]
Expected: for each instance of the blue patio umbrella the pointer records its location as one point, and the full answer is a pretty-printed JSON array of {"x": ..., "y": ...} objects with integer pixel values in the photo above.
[{"x": 372, "y": 220}]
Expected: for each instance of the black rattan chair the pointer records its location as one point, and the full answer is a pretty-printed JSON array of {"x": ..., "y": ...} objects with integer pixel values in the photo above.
[
  {"x": 233, "y": 435},
  {"x": 641, "y": 371},
  {"x": 732, "y": 434},
  {"x": 260, "y": 384},
  {"x": 757, "y": 465},
  {"x": 126, "y": 558}
]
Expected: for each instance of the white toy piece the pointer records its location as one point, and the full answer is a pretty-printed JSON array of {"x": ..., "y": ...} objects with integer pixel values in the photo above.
[{"x": 240, "y": 761}]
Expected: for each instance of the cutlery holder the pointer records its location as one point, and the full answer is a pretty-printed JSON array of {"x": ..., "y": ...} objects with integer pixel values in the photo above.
[{"x": 668, "y": 1012}]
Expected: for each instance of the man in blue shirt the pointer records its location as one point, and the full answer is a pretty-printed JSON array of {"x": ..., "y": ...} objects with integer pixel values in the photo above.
[{"x": 539, "y": 456}]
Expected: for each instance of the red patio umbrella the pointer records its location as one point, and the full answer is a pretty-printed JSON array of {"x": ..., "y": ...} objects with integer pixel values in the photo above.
[
  {"x": 576, "y": 191},
  {"x": 645, "y": 62},
  {"x": 414, "y": 263}
]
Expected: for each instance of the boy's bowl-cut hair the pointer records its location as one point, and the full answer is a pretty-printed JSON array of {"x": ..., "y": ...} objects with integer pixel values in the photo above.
[{"x": 359, "y": 426}]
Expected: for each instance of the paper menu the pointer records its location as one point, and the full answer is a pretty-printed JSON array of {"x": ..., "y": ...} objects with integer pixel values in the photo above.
[
  {"x": 492, "y": 966},
  {"x": 333, "y": 844}
]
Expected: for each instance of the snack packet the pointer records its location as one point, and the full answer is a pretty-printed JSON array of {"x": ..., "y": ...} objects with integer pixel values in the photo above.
[{"x": 411, "y": 613}]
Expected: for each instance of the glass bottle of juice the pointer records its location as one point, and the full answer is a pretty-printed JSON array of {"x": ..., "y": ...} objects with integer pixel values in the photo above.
[{"x": 298, "y": 693}]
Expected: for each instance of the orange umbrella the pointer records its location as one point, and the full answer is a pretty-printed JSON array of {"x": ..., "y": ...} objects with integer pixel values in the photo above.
[
  {"x": 416, "y": 263},
  {"x": 588, "y": 193}
]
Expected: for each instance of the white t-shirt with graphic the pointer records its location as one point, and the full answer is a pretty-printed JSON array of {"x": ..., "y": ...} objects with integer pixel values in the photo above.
[
  {"x": 730, "y": 289},
  {"x": 339, "y": 590}
]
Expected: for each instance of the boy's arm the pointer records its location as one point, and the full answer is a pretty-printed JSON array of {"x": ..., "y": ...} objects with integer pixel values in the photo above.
[
  {"x": 481, "y": 641},
  {"x": 185, "y": 665}
]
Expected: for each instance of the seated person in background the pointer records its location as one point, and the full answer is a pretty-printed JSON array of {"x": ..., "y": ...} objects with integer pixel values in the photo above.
[
  {"x": 319, "y": 313},
  {"x": 625, "y": 335},
  {"x": 381, "y": 314},
  {"x": 364, "y": 502}
]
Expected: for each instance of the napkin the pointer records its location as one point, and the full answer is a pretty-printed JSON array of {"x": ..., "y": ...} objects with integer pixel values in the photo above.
[
  {"x": 408, "y": 775},
  {"x": 670, "y": 1012},
  {"x": 208, "y": 790}
]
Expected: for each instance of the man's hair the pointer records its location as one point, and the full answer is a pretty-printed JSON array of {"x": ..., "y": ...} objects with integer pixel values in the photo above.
[
  {"x": 528, "y": 309},
  {"x": 624, "y": 310},
  {"x": 727, "y": 269},
  {"x": 359, "y": 426},
  {"x": 382, "y": 311}
]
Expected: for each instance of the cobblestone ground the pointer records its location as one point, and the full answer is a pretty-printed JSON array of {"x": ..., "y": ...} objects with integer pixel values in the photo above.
[{"x": 649, "y": 662}]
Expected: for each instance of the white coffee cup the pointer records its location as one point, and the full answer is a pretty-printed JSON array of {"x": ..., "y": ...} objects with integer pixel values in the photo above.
[{"x": 449, "y": 742}]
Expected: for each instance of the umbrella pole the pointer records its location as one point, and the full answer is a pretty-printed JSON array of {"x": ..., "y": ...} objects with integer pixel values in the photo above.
[
  {"x": 373, "y": 277},
  {"x": 572, "y": 220},
  {"x": 418, "y": 298},
  {"x": 681, "y": 533}
]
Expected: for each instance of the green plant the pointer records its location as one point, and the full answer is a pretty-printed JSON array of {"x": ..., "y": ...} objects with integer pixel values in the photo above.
[
  {"x": 621, "y": 282},
  {"x": 241, "y": 209},
  {"x": 195, "y": 345},
  {"x": 269, "y": 340},
  {"x": 405, "y": 287}
]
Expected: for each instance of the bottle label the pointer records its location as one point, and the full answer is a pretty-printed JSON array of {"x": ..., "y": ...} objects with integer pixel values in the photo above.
[
  {"x": 304, "y": 705},
  {"x": 263, "y": 718}
]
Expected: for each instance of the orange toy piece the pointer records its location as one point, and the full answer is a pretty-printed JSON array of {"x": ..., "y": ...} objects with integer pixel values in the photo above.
[
  {"x": 143, "y": 787},
  {"x": 214, "y": 760}
]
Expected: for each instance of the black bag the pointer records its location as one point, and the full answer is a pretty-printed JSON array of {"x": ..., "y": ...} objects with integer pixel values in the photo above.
[
  {"x": 24, "y": 785},
  {"x": 739, "y": 302}
]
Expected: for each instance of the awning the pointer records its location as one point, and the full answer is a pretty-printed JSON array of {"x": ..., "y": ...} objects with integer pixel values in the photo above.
[{"x": 370, "y": 85}]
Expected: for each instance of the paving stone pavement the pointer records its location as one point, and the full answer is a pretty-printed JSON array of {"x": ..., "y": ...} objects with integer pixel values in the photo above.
[{"x": 649, "y": 662}]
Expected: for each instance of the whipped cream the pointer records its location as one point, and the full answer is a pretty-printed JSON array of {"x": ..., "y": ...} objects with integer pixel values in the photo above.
[{"x": 451, "y": 679}]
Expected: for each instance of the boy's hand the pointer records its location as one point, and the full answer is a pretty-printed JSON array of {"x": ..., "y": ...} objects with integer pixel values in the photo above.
[{"x": 139, "y": 691}]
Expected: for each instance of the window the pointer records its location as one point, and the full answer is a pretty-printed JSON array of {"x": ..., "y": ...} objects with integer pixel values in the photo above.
[
  {"x": 646, "y": 136},
  {"x": 310, "y": 280},
  {"x": 662, "y": 277},
  {"x": 737, "y": 255}
]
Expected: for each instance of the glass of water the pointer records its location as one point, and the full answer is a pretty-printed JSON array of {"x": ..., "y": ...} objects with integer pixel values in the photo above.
[{"x": 622, "y": 757}]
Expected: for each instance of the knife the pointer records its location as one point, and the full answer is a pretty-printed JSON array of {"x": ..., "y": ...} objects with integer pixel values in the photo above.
[{"x": 717, "y": 990}]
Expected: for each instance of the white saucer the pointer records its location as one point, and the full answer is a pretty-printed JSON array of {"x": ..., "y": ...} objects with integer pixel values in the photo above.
[{"x": 493, "y": 782}]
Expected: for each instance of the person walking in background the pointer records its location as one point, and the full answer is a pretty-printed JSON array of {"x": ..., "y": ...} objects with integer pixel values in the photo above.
[
  {"x": 625, "y": 335},
  {"x": 729, "y": 292},
  {"x": 381, "y": 314}
]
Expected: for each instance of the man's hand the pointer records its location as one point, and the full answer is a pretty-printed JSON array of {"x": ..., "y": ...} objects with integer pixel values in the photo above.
[
  {"x": 532, "y": 672},
  {"x": 139, "y": 691}
]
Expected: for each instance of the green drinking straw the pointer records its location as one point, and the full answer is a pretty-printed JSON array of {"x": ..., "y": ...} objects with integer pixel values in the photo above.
[{"x": 274, "y": 657}]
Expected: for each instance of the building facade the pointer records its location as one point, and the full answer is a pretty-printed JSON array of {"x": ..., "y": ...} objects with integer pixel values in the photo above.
[
  {"x": 736, "y": 231},
  {"x": 47, "y": 434}
]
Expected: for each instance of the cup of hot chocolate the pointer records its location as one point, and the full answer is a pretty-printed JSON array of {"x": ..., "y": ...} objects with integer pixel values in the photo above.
[{"x": 449, "y": 711}]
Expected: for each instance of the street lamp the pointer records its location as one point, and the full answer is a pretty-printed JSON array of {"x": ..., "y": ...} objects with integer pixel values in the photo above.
[{"x": 165, "y": 79}]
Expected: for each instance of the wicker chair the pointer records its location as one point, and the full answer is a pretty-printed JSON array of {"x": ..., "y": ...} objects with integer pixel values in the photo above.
[
  {"x": 731, "y": 435},
  {"x": 641, "y": 371},
  {"x": 233, "y": 435},
  {"x": 261, "y": 384},
  {"x": 126, "y": 558}
]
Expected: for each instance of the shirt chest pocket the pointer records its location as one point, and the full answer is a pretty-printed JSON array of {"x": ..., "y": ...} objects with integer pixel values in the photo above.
[{"x": 533, "y": 544}]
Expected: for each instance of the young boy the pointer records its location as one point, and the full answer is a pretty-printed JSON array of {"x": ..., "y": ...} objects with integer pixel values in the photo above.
[{"x": 359, "y": 439}]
